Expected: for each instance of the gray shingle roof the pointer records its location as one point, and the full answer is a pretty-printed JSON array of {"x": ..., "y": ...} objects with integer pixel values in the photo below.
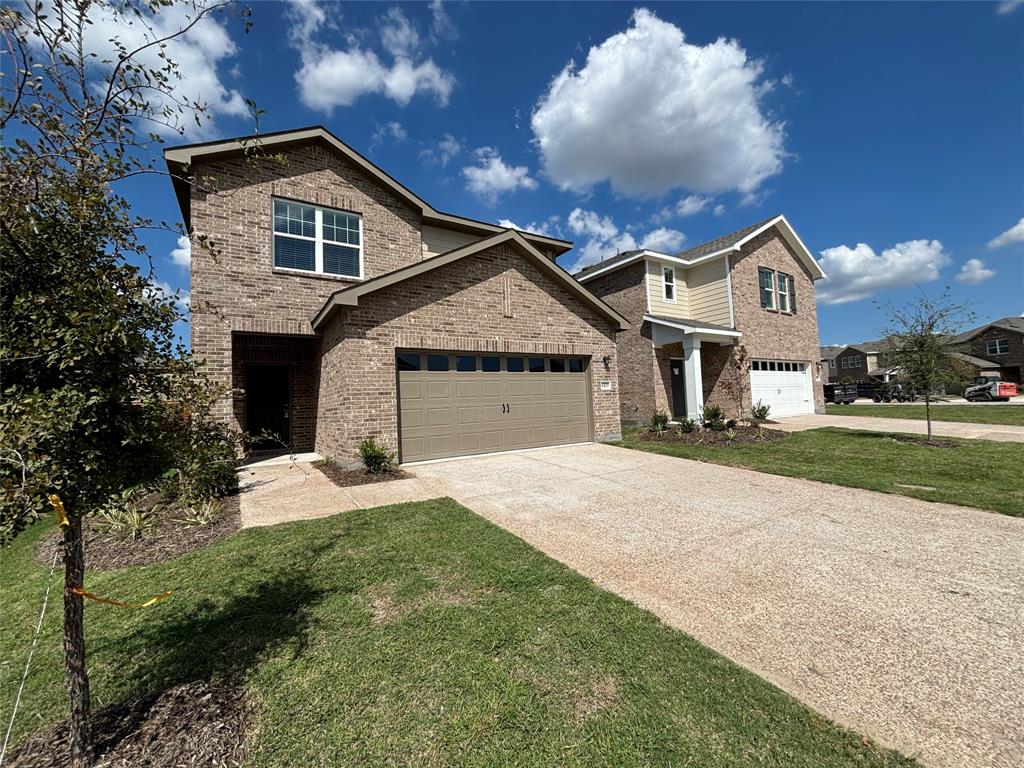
[
  {"x": 703, "y": 249},
  {"x": 827, "y": 353},
  {"x": 1015, "y": 324}
]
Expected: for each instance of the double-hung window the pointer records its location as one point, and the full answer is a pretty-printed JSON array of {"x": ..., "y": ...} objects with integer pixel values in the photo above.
[
  {"x": 668, "y": 281},
  {"x": 777, "y": 289},
  {"x": 315, "y": 239},
  {"x": 767, "y": 281},
  {"x": 997, "y": 346}
]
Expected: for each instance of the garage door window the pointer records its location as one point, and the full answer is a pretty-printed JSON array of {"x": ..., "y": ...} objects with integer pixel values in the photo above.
[
  {"x": 437, "y": 362},
  {"x": 465, "y": 363},
  {"x": 536, "y": 365},
  {"x": 408, "y": 361},
  {"x": 514, "y": 364},
  {"x": 490, "y": 364},
  {"x": 575, "y": 365},
  {"x": 557, "y": 365}
]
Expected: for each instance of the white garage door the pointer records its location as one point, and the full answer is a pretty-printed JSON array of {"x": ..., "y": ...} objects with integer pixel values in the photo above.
[{"x": 784, "y": 385}]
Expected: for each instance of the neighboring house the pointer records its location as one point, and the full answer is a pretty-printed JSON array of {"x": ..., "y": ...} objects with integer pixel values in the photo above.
[
  {"x": 341, "y": 306},
  {"x": 863, "y": 363},
  {"x": 1000, "y": 344},
  {"x": 828, "y": 362},
  {"x": 689, "y": 310}
]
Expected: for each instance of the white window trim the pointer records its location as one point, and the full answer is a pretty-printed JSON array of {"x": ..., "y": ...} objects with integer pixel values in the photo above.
[
  {"x": 771, "y": 291},
  {"x": 665, "y": 283},
  {"x": 989, "y": 343},
  {"x": 318, "y": 241},
  {"x": 781, "y": 277},
  {"x": 832, "y": 364}
]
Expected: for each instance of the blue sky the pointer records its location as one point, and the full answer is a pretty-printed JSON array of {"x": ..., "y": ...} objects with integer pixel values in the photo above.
[{"x": 890, "y": 135}]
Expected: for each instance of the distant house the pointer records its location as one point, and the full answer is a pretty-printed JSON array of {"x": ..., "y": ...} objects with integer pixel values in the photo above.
[
  {"x": 828, "y": 362},
  {"x": 864, "y": 362},
  {"x": 995, "y": 349}
]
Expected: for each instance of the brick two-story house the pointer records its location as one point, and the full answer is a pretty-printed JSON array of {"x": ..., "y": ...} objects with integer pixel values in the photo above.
[
  {"x": 1000, "y": 344},
  {"x": 690, "y": 310},
  {"x": 339, "y": 306}
]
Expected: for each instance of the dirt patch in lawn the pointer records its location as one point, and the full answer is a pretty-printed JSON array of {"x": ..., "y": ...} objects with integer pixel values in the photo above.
[
  {"x": 738, "y": 436},
  {"x": 169, "y": 538},
  {"x": 194, "y": 724},
  {"x": 602, "y": 694},
  {"x": 349, "y": 477},
  {"x": 933, "y": 443}
]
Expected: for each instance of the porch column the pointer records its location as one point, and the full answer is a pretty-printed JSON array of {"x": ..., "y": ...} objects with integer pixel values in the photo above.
[{"x": 691, "y": 374}]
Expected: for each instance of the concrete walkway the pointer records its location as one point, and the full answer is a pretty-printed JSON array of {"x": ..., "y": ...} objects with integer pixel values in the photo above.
[
  {"x": 897, "y": 617},
  {"x": 1000, "y": 432}
]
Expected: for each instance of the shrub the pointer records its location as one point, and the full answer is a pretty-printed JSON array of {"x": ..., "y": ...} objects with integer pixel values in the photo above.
[
  {"x": 713, "y": 418},
  {"x": 760, "y": 411},
  {"x": 687, "y": 425},
  {"x": 730, "y": 434},
  {"x": 376, "y": 458},
  {"x": 730, "y": 424},
  {"x": 120, "y": 515},
  {"x": 659, "y": 422},
  {"x": 201, "y": 513}
]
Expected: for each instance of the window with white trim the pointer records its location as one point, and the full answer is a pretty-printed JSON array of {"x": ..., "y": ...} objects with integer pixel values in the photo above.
[
  {"x": 668, "y": 282},
  {"x": 997, "y": 346},
  {"x": 310, "y": 238},
  {"x": 767, "y": 281},
  {"x": 832, "y": 364},
  {"x": 854, "y": 361},
  {"x": 784, "y": 282}
]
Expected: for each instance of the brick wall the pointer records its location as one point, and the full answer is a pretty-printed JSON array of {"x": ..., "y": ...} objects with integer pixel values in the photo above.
[
  {"x": 1012, "y": 363},
  {"x": 625, "y": 290},
  {"x": 775, "y": 335},
  {"x": 236, "y": 289},
  {"x": 457, "y": 307}
]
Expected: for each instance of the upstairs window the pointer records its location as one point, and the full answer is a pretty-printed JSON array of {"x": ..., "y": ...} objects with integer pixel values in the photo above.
[
  {"x": 784, "y": 283},
  {"x": 314, "y": 239},
  {"x": 668, "y": 281},
  {"x": 997, "y": 346},
  {"x": 767, "y": 282}
]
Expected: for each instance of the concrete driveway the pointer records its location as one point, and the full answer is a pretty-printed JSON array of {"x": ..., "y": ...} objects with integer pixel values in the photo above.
[
  {"x": 900, "y": 618},
  {"x": 1007, "y": 433}
]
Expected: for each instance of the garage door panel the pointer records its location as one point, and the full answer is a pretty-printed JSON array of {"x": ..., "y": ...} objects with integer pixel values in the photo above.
[
  {"x": 786, "y": 392},
  {"x": 450, "y": 413}
]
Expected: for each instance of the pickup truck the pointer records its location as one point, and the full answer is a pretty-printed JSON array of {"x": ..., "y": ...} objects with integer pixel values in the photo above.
[{"x": 990, "y": 389}]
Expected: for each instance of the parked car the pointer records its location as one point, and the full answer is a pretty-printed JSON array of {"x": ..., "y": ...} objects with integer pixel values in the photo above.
[
  {"x": 840, "y": 394},
  {"x": 887, "y": 394},
  {"x": 990, "y": 389}
]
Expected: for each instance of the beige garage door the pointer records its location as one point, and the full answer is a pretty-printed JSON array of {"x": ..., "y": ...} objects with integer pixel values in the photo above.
[{"x": 455, "y": 404}]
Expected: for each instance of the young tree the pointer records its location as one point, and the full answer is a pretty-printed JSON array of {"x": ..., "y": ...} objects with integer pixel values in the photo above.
[
  {"x": 90, "y": 368},
  {"x": 921, "y": 335}
]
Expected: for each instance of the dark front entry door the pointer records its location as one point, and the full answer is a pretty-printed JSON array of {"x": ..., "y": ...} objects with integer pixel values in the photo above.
[
  {"x": 268, "y": 406},
  {"x": 678, "y": 389}
]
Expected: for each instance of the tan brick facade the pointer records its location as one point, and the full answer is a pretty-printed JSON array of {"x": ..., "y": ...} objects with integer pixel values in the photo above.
[
  {"x": 343, "y": 382},
  {"x": 458, "y": 308},
  {"x": 644, "y": 375}
]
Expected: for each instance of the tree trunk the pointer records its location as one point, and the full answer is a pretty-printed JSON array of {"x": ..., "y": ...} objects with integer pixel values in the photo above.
[
  {"x": 74, "y": 645},
  {"x": 928, "y": 414}
]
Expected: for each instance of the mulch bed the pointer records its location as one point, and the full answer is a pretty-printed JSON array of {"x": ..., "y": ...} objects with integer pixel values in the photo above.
[
  {"x": 741, "y": 436},
  {"x": 193, "y": 724},
  {"x": 348, "y": 477},
  {"x": 169, "y": 539}
]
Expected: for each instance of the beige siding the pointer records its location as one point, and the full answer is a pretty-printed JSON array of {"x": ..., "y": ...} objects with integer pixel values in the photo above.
[
  {"x": 656, "y": 292},
  {"x": 437, "y": 240},
  {"x": 709, "y": 292}
]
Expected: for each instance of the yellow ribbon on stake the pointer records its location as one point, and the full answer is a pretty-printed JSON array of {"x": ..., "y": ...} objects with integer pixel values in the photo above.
[
  {"x": 108, "y": 601},
  {"x": 63, "y": 522}
]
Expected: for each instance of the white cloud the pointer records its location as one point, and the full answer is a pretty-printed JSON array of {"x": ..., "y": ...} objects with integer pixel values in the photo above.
[
  {"x": 441, "y": 27},
  {"x": 491, "y": 177},
  {"x": 199, "y": 55},
  {"x": 1014, "y": 234},
  {"x": 859, "y": 273},
  {"x": 447, "y": 149},
  {"x": 182, "y": 255},
  {"x": 693, "y": 204},
  {"x": 392, "y": 130},
  {"x": 649, "y": 112},
  {"x": 160, "y": 289},
  {"x": 550, "y": 227},
  {"x": 719, "y": 210},
  {"x": 335, "y": 77},
  {"x": 591, "y": 224},
  {"x": 974, "y": 271},
  {"x": 1008, "y": 6},
  {"x": 663, "y": 240},
  {"x": 397, "y": 34}
]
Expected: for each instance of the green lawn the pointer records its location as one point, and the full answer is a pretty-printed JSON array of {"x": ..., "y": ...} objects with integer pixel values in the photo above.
[
  {"x": 977, "y": 473},
  {"x": 418, "y": 634},
  {"x": 975, "y": 414}
]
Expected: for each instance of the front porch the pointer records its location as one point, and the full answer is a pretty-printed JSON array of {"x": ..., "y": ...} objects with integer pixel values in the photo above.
[{"x": 687, "y": 378}]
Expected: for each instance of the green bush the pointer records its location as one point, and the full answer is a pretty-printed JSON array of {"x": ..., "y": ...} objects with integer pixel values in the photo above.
[
  {"x": 659, "y": 422},
  {"x": 687, "y": 425},
  {"x": 376, "y": 458},
  {"x": 713, "y": 418},
  {"x": 759, "y": 412}
]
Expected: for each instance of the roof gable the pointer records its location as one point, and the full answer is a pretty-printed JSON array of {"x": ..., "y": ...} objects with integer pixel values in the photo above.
[
  {"x": 1012, "y": 324},
  {"x": 349, "y": 296},
  {"x": 179, "y": 159},
  {"x": 712, "y": 249}
]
